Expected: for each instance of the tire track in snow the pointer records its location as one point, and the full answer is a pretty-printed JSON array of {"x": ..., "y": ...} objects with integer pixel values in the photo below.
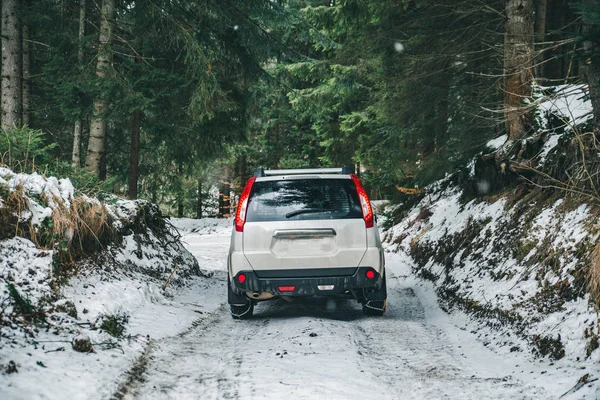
[
  {"x": 202, "y": 362},
  {"x": 135, "y": 374},
  {"x": 135, "y": 377},
  {"x": 313, "y": 350},
  {"x": 411, "y": 359}
]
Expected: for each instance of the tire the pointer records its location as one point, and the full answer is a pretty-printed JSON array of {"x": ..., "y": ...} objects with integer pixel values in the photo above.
[
  {"x": 241, "y": 312},
  {"x": 242, "y": 307},
  {"x": 374, "y": 308}
]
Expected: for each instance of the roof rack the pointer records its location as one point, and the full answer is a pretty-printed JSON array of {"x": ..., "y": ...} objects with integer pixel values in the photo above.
[{"x": 261, "y": 172}]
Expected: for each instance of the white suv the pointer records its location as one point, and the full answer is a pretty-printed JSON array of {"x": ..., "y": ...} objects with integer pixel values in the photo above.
[{"x": 305, "y": 232}]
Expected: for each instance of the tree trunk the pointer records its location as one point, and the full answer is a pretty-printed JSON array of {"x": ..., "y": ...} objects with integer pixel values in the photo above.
[
  {"x": 180, "y": 191},
  {"x": 76, "y": 156},
  {"x": 26, "y": 46},
  {"x": 134, "y": 155},
  {"x": 12, "y": 100},
  {"x": 540, "y": 36},
  {"x": 96, "y": 143},
  {"x": 81, "y": 35},
  {"x": 564, "y": 6},
  {"x": 199, "y": 202},
  {"x": 518, "y": 59},
  {"x": 224, "y": 197},
  {"x": 592, "y": 67},
  {"x": 102, "y": 173}
]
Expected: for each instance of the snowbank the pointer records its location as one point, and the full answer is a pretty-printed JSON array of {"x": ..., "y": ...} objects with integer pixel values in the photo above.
[
  {"x": 56, "y": 302},
  {"x": 560, "y": 110},
  {"x": 568, "y": 104},
  {"x": 516, "y": 267}
]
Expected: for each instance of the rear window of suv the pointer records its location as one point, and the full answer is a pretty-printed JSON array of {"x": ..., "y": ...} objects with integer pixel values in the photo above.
[{"x": 303, "y": 199}]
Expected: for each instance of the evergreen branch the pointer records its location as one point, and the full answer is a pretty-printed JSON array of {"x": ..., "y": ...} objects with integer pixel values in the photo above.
[{"x": 267, "y": 34}]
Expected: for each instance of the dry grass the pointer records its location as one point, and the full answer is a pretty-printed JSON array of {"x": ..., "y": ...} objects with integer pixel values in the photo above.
[
  {"x": 63, "y": 226},
  {"x": 14, "y": 203},
  {"x": 83, "y": 228},
  {"x": 75, "y": 231},
  {"x": 594, "y": 275}
]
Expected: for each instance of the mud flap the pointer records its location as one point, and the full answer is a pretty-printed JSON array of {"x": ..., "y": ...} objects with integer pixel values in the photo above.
[
  {"x": 377, "y": 294},
  {"x": 235, "y": 298}
]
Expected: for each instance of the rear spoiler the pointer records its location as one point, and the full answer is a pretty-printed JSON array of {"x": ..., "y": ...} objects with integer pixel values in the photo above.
[{"x": 345, "y": 170}]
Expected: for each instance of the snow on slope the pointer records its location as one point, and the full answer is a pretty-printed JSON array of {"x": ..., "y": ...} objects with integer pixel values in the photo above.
[
  {"x": 569, "y": 103},
  {"x": 559, "y": 110},
  {"x": 515, "y": 268},
  {"x": 121, "y": 284}
]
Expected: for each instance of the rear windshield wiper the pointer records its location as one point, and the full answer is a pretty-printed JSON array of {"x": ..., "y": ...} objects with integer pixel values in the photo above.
[{"x": 306, "y": 211}]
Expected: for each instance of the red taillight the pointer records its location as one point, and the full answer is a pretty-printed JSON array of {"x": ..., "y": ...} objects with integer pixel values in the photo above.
[
  {"x": 240, "y": 215},
  {"x": 365, "y": 204},
  {"x": 241, "y": 278},
  {"x": 287, "y": 288},
  {"x": 370, "y": 274}
]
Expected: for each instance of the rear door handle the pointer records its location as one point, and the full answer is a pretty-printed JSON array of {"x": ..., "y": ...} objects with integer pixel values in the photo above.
[{"x": 304, "y": 233}]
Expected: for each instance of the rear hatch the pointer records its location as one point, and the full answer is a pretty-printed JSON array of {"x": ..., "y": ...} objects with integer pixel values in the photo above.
[{"x": 304, "y": 223}]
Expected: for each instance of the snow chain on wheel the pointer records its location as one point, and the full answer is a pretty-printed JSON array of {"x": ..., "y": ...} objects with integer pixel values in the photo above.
[
  {"x": 374, "y": 307},
  {"x": 241, "y": 312}
]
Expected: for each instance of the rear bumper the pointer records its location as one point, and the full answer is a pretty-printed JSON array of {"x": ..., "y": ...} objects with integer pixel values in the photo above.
[{"x": 307, "y": 282}]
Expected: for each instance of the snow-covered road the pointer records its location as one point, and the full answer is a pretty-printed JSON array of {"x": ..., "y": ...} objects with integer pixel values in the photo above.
[{"x": 329, "y": 350}]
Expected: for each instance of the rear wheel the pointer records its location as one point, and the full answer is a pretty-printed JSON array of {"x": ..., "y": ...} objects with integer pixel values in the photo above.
[
  {"x": 374, "y": 302},
  {"x": 240, "y": 306}
]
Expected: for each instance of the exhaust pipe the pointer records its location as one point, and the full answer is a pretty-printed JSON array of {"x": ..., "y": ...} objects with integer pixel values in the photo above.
[{"x": 259, "y": 295}]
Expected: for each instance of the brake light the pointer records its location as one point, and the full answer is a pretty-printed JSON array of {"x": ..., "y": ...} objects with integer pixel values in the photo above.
[
  {"x": 241, "y": 278},
  {"x": 287, "y": 288},
  {"x": 370, "y": 274},
  {"x": 365, "y": 204},
  {"x": 240, "y": 215}
]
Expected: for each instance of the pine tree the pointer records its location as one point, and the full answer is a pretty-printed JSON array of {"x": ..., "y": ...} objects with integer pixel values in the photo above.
[
  {"x": 518, "y": 63},
  {"x": 12, "y": 73},
  {"x": 76, "y": 155},
  {"x": 26, "y": 64},
  {"x": 96, "y": 144},
  {"x": 591, "y": 48}
]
